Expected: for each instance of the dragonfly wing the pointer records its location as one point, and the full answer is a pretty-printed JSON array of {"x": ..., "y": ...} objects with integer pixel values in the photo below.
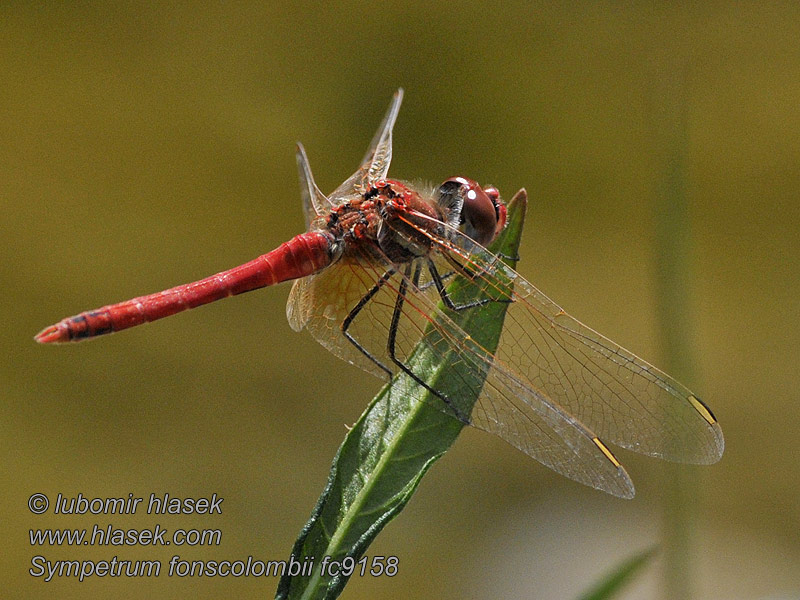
[
  {"x": 379, "y": 153},
  {"x": 322, "y": 302},
  {"x": 315, "y": 203},
  {"x": 622, "y": 398},
  {"x": 535, "y": 424},
  {"x": 375, "y": 164},
  {"x": 297, "y": 312}
]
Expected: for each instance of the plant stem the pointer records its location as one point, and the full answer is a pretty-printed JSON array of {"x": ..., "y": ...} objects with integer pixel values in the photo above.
[{"x": 673, "y": 248}]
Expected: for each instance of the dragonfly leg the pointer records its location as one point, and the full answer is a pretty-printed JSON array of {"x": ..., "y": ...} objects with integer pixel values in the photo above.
[
  {"x": 508, "y": 257},
  {"x": 357, "y": 309},
  {"x": 444, "y": 277},
  {"x": 398, "y": 310},
  {"x": 438, "y": 281}
]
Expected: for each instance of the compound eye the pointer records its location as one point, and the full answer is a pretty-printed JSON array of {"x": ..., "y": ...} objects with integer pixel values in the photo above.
[
  {"x": 479, "y": 208},
  {"x": 499, "y": 208}
]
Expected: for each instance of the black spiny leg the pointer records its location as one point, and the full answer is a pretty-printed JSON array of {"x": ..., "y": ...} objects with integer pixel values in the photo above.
[
  {"x": 357, "y": 309},
  {"x": 444, "y": 278},
  {"x": 439, "y": 283},
  {"x": 398, "y": 310}
]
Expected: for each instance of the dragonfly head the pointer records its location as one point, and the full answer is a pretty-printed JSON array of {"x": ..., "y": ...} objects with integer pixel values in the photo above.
[{"x": 478, "y": 210}]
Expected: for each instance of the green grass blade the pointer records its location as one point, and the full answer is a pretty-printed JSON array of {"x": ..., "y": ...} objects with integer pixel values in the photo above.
[
  {"x": 613, "y": 582},
  {"x": 393, "y": 444}
]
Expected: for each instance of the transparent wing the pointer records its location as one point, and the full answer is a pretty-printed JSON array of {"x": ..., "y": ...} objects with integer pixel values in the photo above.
[
  {"x": 375, "y": 164},
  {"x": 622, "y": 398},
  {"x": 315, "y": 204},
  {"x": 508, "y": 407}
]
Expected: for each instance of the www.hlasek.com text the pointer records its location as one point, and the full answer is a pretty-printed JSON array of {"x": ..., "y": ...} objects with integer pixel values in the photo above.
[{"x": 82, "y": 570}]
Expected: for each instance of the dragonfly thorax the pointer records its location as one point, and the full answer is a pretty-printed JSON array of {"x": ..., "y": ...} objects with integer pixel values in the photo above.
[{"x": 409, "y": 222}]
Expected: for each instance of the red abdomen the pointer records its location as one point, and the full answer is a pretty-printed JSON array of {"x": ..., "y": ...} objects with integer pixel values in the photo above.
[{"x": 303, "y": 255}]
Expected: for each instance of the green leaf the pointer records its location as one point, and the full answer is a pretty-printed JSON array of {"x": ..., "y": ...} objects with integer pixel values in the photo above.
[
  {"x": 614, "y": 581},
  {"x": 393, "y": 444}
]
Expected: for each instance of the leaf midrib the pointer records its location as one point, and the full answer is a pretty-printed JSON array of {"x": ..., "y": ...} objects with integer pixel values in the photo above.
[{"x": 354, "y": 510}]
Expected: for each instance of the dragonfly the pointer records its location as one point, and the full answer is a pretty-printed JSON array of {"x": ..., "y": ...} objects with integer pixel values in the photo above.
[{"x": 372, "y": 278}]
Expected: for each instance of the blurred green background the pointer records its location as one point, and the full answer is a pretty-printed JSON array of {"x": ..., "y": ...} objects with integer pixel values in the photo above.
[{"x": 143, "y": 146}]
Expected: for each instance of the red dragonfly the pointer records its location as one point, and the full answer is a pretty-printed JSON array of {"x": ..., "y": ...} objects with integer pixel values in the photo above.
[{"x": 372, "y": 275}]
